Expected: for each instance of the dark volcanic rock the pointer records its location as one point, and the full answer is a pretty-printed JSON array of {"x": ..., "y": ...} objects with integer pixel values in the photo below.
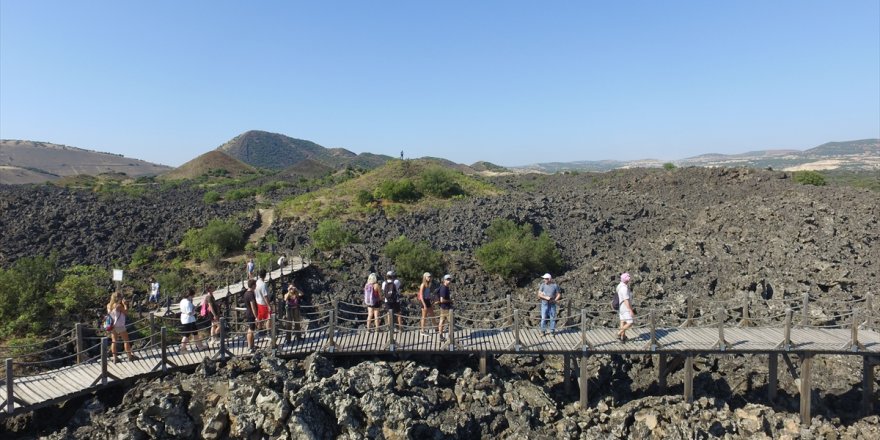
[{"x": 88, "y": 228}]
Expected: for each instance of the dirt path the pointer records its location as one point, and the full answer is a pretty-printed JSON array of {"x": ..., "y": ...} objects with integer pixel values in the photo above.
[{"x": 267, "y": 216}]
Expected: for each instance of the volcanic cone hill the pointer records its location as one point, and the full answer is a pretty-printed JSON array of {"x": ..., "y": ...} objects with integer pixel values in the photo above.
[
  {"x": 277, "y": 151},
  {"x": 212, "y": 162}
]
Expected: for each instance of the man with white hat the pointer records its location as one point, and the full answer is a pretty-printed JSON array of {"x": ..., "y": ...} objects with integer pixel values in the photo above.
[{"x": 549, "y": 295}]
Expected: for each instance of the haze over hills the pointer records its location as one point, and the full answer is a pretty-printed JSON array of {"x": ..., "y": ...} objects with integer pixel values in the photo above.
[
  {"x": 856, "y": 155},
  {"x": 24, "y": 161}
]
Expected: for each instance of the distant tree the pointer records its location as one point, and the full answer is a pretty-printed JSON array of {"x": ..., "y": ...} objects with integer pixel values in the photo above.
[
  {"x": 331, "y": 235},
  {"x": 669, "y": 166},
  {"x": 513, "y": 251}
]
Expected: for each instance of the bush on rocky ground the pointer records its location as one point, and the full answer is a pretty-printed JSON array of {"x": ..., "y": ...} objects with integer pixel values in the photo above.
[
  {"x": 412, "y": 259},
  {"x": 210, "y": 243},
  {"x": 331, "y": 235},
  {"x": 514, "y": 252}
]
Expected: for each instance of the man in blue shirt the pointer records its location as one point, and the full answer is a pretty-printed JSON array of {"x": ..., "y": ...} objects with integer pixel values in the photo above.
[
  {"x": 549, "y": 295},
  {"x": 445, "y": 304}
]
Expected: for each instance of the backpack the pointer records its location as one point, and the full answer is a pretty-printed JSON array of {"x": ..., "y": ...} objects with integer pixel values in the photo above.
[
  {"x": 615, "y": 302},
  {"x": 204, "y": 311},
  {"x": 371, "y": 297},
  {"x": 435, "y": 295},
  {"x": 107, "y": 323},
  {"x": 390, "y": 291}
]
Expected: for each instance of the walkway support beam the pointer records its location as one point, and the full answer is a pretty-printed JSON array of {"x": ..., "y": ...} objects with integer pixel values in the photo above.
[
  {"x": 867, "y": 385},
  {"x": 806, "y": 387},
  {"x": 772, "y": 376},
  {"x": 584, "y": 383},
  {"x": 10, "y": 391},
  {"x": 689, "y": 378}
]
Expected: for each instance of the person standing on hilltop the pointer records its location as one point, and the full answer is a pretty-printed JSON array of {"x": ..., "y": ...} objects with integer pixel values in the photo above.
[
  {"x": 549, "y": 295},
  {"x": 445, "y": 304},
  {"x": 117, "y": 309},
  {"x": 425, "y": 300},
  {"x": 627, "y": 315}
]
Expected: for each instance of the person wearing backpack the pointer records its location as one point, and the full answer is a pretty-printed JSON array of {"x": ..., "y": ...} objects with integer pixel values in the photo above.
[
  {"x": 373, "y": 301},
  {"x": 427, "y": 306},
  {"x": 117, "y": 310},
  {"x": 549, "y": 294},
  {"x": 626, "y": 313},
  {"x": 211, "y": 312},
  {"x": 391, "y": 291},
  {"x": 445, "y": 300}
]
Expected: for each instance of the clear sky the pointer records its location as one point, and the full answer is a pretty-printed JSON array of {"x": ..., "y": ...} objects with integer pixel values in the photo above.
[{"x": 510, "y": 82}]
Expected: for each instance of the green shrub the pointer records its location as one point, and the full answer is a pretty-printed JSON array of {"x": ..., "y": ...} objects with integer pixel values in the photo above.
[
  {"x": 24, "y": 308},
  {"x": 515, "y": 252},
  {"x": 171, "y": 285},
  {"x": 814, "y": 178},
  {"x": 401, "y": 191},
  {"x": 439, "y": 182},
  {"x": 412, "y": 259},
  {"x": 213, "y": 241},
  {"x": 240, "y": 193},
  {"x": 211, "y": 197},
  {"x": 669, "y": 166},
  {"x": 364, "y": 198},
  {"x": 142, "y": 256},
  {"x": 331, "y": 235},
  {"x": 80, "y": 290}
]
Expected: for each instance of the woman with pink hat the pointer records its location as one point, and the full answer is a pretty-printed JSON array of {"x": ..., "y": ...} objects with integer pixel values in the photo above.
[{"x": 624, "y": 296}]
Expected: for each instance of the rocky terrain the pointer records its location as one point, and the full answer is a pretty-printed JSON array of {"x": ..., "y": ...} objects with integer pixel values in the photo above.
[
  {"x": 88, "y": 228},
  {"x": 718, "y": 233},
  {"x": 266, "y": 397},
  {"x": 710, "y": 233}
]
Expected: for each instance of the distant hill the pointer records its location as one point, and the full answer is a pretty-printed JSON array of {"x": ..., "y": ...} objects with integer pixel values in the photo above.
[
  {"x": 216, "y": 162},
  {"x": 277, "y": 151},
  {"x": 24, "y": 161},
  {"x": 483, "y": 167},
  {"x": 857, "y": 155}
]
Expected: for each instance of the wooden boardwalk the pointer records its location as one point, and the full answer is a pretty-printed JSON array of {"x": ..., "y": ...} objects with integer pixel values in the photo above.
[{"x": 335, "y": 329}]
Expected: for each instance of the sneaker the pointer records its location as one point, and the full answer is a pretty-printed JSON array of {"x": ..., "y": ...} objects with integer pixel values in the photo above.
[
  {"x": 132, "y": 357},
  {"x": 115, "y": 360}
]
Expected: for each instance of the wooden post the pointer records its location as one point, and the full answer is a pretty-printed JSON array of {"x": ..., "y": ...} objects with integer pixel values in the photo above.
[
  {"x": 483, "y": 367},
  {"x": 772, "y": 376},
  {"x": 585, "y": 344},
  {"x": 689, "y": 378},
  {"x": 391, "y": 342},
  {"x": 652, "y": 344},
  {"x": 512, "y": 312},
  {"x": 786, "y": 342},
  {"x": 222, "y": 339},
  {"x": 722, "y": 344},
  {"x": 561, "y": 320},
  {"x": 163, "y": 340},
  {"x": 806, "y": 388},
  {"x": 517, "y": 344},
  {"x": 10, "y": 391},
  {"x": 661, "y": 373},
  {"x": 78, "y": 332},
  {"x": 273, "y": 331},
  {"x": 331, "y": 342},
  {"x": 104, "y": 342},
  {"x": 584, "y": 382},
  {"x": 152, "y": 329},
  {"x": 805, "y": 315},
  {"x": 566, "y": 373},
  {"x": 690, "y": 312},
  {"x": 867, "y": 386},
  {"x": 854, "y": 345},
  {"x": 451, "y": 330}
]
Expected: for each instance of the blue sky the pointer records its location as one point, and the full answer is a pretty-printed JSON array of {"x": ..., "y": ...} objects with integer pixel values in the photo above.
[{"x": 509, "y": 82}]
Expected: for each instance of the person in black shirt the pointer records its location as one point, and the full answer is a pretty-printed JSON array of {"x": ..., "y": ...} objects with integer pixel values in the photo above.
[
  {"x": 445, "y": 304},
  {"x": 250, "y": 312}
]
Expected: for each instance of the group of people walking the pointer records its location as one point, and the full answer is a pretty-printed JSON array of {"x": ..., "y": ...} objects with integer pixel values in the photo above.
[{"x": 387, "y": 296}]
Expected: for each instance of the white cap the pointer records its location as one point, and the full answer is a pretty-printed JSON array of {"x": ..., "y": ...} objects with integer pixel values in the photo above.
[
  {"x": 390, "y": 273},
  {"x": 447, "y": 277},
  {"x": 546, "y": 276}
]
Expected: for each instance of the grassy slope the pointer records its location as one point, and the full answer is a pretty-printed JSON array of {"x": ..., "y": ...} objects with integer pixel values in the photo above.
[{"x": 340, "y": 200}]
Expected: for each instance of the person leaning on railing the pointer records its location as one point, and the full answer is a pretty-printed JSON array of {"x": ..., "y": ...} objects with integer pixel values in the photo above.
[{"x": 292, "y": 300}]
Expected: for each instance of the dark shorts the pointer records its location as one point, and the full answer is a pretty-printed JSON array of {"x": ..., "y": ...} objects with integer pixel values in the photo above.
[
  {"x": 188, "y": 329},
  {"x": 250, "y": 321},
  {"x": 428, "y": 304},
  {"x": 393, "y": 306}
]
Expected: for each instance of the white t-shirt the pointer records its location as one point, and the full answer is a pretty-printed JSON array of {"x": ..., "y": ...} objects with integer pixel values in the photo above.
[
  {"x": 154, "y": 289},
  {"x": 261, "y": 292},
  {"x": 281, "y": 261},
  {"x": 623, "y": 294},
  {"x": 187, "y": 310}
]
